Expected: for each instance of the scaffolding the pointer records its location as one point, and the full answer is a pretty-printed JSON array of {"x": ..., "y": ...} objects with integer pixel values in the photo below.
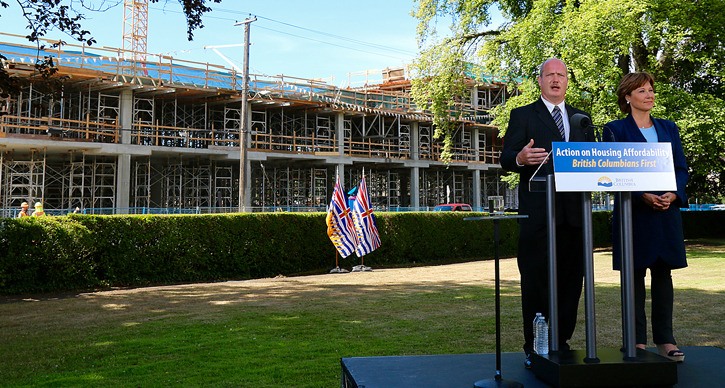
[
  {"x": 163, "y": 133},
  {"x": 23, "y": 180}
]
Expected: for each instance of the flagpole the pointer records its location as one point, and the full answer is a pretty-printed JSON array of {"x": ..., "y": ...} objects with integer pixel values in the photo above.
[
  {"x": 362, "y": 258},
  {"x": 339, "y": 230},
  {"x": 369, "y": 238}
]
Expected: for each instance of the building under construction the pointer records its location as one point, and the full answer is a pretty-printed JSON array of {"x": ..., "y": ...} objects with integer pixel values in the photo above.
[{"x": 114, "y": 133}]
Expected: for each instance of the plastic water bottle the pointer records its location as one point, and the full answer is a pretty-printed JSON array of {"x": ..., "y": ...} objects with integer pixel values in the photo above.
[{"x": 541, "y": 335}]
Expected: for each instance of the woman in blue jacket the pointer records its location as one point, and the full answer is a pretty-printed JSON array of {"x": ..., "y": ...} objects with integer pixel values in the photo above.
[{"x": 658, "y": 240}]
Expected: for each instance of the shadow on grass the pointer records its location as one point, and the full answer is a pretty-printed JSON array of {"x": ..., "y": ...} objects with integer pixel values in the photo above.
[
  {"x": 268, "y": 332},
  {"x": 259, "y": 333},
  {"x": 697, "y": 312}
]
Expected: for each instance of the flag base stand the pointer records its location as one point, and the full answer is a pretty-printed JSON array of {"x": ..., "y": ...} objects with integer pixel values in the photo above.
[
  {"x": 339, "y": 270},
  {"x": 361, "y": 268}
]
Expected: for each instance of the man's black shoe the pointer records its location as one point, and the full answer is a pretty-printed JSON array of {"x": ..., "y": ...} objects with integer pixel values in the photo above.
[{"x": 527, "y": 361}]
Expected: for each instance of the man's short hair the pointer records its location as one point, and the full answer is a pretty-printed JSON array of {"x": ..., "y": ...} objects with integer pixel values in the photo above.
[{"x": 541, "y": 66}]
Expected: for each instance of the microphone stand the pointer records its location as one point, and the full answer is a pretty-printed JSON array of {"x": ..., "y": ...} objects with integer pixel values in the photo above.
[{"x": 497, "y": 380}]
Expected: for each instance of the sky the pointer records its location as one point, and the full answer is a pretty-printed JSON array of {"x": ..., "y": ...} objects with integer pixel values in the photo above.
[{"x": 334, "y": 40}]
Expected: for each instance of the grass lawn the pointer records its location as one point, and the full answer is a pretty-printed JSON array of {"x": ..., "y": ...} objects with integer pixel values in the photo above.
[{"x": 293, "y": 331}]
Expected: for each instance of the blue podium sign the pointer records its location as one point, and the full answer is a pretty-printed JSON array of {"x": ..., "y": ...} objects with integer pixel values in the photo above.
[{"x": 580, "y": 166}]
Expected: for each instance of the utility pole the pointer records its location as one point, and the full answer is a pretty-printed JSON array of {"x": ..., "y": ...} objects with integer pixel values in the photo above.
[{"x": 244, "y": 169}]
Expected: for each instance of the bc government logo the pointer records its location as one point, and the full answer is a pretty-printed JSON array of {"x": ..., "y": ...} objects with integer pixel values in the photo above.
[{"x": 604, "y": 182}]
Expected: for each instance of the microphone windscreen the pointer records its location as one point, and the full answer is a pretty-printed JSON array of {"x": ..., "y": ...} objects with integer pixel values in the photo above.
[{"x": 581, "y": 121}]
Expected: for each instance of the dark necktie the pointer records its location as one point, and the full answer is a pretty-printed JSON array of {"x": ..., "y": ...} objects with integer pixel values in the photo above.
[{"x": 556, "y": 114}]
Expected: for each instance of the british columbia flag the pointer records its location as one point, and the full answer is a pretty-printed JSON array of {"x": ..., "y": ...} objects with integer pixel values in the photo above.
[
  {"x": 340, "y": 226},
  {"x": 367, "y": 230}
]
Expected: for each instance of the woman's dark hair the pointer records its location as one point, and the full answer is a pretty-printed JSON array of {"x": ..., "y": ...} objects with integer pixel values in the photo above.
[{"x": 628, "y": 83}]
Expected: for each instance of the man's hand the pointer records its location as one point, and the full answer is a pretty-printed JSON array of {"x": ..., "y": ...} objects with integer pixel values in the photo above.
[{"x": 531, "y": 156}]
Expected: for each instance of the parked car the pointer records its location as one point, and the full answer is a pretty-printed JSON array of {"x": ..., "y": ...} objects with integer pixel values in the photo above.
[{"x": 453, "y": 207}]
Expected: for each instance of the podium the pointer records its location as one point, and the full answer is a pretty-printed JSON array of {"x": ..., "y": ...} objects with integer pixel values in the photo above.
[{"x": 602, "y": 171}]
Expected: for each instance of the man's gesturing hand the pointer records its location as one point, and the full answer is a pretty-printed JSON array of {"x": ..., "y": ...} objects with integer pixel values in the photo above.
[{"x": 531, "y": 156}]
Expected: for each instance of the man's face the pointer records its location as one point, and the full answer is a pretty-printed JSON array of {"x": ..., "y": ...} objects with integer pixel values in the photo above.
[{"x": 553, "y": 81}]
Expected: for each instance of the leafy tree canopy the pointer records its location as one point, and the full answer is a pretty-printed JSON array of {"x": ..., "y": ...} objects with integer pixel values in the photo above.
[{"x": 679, "y": 43}]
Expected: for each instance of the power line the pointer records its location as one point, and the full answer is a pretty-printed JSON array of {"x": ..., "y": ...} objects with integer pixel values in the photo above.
[
  {"x": 327, "y": 43},
  {"x": 360, "y": 42},
  {"x": 327, "y": 34},
  {"x": 340, "y": 37}
]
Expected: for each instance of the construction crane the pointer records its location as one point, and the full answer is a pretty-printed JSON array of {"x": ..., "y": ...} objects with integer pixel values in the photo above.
[{"x": 135, "y": 27}]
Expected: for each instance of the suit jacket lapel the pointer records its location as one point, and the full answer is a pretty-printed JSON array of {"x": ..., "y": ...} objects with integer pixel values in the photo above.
[
  {"x": 545, "y": 117},
  {"x": 633, "y": 132},
  {"x": 663, "y": 134},
  {"x": 574, "y": 135}
]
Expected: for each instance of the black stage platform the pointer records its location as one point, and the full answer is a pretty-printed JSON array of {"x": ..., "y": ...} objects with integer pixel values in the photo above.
[{"x": 703, "y": 367}]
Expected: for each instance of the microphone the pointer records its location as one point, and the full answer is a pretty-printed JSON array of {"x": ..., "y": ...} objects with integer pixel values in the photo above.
[
  {"x": 581, "y": 121},
  {"x": 584, "y": 122}
]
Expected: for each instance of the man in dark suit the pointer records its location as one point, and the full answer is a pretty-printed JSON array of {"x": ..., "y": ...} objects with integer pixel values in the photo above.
[{"x": 531, "y": 130}]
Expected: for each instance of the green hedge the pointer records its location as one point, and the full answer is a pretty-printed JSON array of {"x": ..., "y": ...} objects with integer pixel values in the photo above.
[
  {"x": 79, "y": 252},
  {"x": 703, "y": 224},
  {"x": 88, "y": 252}
]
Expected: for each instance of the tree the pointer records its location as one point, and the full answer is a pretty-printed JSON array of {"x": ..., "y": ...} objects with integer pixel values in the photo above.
[
  {"x": 66, "y": 16},
  {"x": 679, "y": 43}
]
